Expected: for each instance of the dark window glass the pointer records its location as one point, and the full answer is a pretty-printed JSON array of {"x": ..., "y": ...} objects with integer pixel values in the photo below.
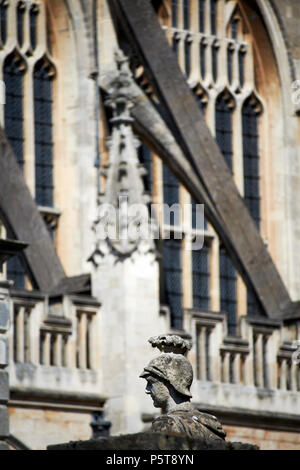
[
  {"x": 171, "y": 190},
  {"x": 214, "y": 52},
  {"x": 213, "y": 16},
  {"x": 200, "y": 259},
  {"x": 14, "y": 122},
  {"x": 145, "y": 158},
  {"x": 242, "y": 68},
  {"x": 13, "y": 110},
  {"x": 228, "y": 290},
  {"x": 187, "y": 57},
  {"x": 201, "y": 15},
  {"x": 16, "y": 272},
  {"x": 229, "y": 64},
  {"x": 174, "y": 13},
  {"x": 224, "y": 129},
  {"x": 43, "y": 134},
  {"x": 33, "y": 27},
  {"x": 234, "y": 29},
  {"x": 20, "y": 24},
  {"x": 251, "y": 161},
  {"x": 186, "y": 14},
  {"x": 202, "y": 59},
  {"x": 173, "y": 280},
  {"x": 3, "y": 22}
]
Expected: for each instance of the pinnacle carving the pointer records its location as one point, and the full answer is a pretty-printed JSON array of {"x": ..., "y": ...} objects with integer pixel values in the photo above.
[{"x": 123, "y": 222}]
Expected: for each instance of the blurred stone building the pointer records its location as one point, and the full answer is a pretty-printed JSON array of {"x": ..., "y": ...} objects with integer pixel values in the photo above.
[{"x": 211, "y": 87}]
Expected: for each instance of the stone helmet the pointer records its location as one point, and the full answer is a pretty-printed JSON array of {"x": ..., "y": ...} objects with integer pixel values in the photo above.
[{"x": 171, "y": 366}]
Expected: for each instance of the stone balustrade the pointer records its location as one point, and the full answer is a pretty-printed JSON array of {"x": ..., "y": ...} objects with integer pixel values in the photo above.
[
  {"x": 53, "y": 343},
  {"x": 256, "y": 365}
]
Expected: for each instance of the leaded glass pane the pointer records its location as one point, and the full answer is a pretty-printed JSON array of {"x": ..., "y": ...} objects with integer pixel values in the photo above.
[
  {"x": 213, "y": 16},
  {"x": 228, "y": 290},
  {"x": 13, "y": 110},
  {"x": 43, "y": 134},
  {"x": 251, "y": 161},
  {"x": 186, "y": 14},
  {"x": 201, "y": 15},
  {"x": 200, "y": 260},
  {"x": 224, "y": 129},
  {"x": 20, "y": 24},
  {"x": 33, "y": 27},
  {"x": 3, "y": 22},
  {"x": 171, "y": 191},
  {"x": 174, "y": 13},
  {"x": 173, "y": 280}
]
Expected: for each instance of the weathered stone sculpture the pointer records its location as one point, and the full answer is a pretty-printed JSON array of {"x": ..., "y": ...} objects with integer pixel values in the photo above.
[{"x": 169, "y": 378}]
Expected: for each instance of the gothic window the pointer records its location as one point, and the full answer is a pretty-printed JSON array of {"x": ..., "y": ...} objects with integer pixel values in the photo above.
[
  {"x": 224, "y": 128},
  {"x": 186, "y": 14},
  {"x": 213, "y": 16},
  {"x": 20, "y": 23},
  {"x": 228, "y": 290},
  {"x": 34, "y": 11},
  {"x": 27, "y": 75},
  {"x": 173, "y": 280},
  {"x": 251, "y": 159},
  {"x": 3, "y": 20},
  {"x": 174, "y": 13},
  {"x": 200, "y": 262},
  {"x": 171, "y": 192},
  {"x": 14, "y": 69},
  {"x": 43, "y": 77},
  {"x": 201, "y": 15}
]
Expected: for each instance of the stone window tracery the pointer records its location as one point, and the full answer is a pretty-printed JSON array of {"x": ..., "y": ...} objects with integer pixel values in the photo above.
[
  {"x": 215, "y": 52},
  {"x": 28, "y": 71}
]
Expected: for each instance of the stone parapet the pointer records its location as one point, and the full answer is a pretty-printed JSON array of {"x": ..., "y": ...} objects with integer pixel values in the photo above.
[{"x": 152, "y": 441}]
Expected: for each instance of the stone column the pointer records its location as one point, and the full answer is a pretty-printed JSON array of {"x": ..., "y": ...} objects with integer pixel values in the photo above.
[{"x": 4, "y": 383}]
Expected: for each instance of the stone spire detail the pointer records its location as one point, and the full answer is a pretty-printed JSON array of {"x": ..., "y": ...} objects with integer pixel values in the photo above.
[{"x": 123, "y": 224}]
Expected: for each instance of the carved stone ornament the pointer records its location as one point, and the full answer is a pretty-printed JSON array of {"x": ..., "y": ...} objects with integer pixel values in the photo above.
[
  {"x": 169, "y": 378},
  {"x": 123, "y": 223}
]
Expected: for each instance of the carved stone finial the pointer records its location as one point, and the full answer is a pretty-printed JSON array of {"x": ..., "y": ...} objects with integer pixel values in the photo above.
[
  {"x": 123, "y": 224},
  {"x": 169, "y": 378}
]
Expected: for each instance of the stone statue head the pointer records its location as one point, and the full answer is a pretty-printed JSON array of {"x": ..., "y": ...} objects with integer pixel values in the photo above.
[{"x": 170, "y": 374}]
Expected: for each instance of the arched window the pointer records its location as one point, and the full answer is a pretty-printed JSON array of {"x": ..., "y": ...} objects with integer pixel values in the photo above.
[
  {"x": 43, "y": 78},
  {"x": 228, "y": 290},
  {"x": 224, "y": 128},
  {"x": 172, "y": 271},
  {"x": 200, "y": 267},
  {"x": 29, "y": 134},
  {"x": 3, "y": 21},
  {"x": 13, "y": 73},
  {"x": 251, "y": 159},
  {"x": 20, "y": 23}
]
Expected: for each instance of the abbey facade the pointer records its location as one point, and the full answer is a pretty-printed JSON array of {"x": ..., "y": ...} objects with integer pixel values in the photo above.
[{"x": 175, "y": 102}]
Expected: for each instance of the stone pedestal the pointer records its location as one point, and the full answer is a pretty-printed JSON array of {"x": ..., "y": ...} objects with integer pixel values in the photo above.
[
  {"x": 128, "y": 290},
  {"x": 153, "y": 441}
]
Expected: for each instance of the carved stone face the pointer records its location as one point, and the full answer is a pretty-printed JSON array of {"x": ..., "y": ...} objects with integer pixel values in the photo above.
[{"x": 158, "y": 391}]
